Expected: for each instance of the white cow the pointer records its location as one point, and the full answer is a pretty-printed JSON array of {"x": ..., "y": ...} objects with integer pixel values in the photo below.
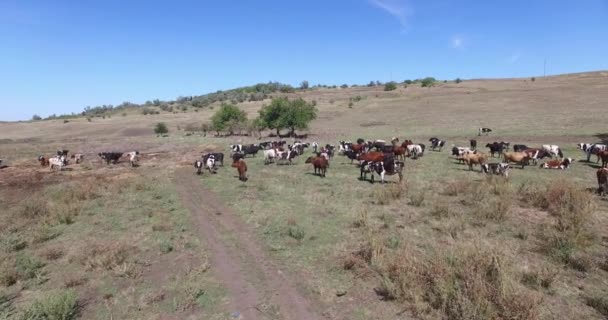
[
  {"x": 269, "y": 156},
  {"x": 553, "y": 150},
  {"x": 210, "y": 164},
  {"x": 133, "y": 158},
  {"x": 57, "y": 162}
]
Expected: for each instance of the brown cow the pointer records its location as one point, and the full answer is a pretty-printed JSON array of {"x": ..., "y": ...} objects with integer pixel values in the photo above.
[
  {"x": 373, "y": 156},
  {"x": 604, "y": 156},
  {"x": 320, "y": 164},
  {"x": 358, "y": 148},
  {"x": 517, "y": 157},
  {"x": 400, "y": 152},
  {"x": 557, "y": 164},
  {"x": 44, "y": 162},
  {"x": 602, "y": 181},
  {"x": 241, "y": 167},
  {"x": 471, "y": 159}
]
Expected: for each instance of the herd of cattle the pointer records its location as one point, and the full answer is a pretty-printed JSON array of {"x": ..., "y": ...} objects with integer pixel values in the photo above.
[
  {"x": 388, "y": 158},
  {"x": 374, "y": 157},
  {"x": 61, "y": 159}
]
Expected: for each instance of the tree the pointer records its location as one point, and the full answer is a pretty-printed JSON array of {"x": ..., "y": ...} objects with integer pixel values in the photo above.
[
  {"x": 427, "y": 82},
  {"x": 344, "y": 86},
  {"x": 304, "y": 85},
  {"x": 283, "y": 113},
  {"x": 161, "y": 128},
  {"x": 458, "y": 80},
  {"x": 226, "y": 117},
  {"x": 390, "y": 86},
  {"x": 36, "y": 117},
  {"x": 408, "y": 81}
]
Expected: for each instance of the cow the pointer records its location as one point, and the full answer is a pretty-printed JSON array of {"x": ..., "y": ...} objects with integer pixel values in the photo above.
[
  {"x": 44, "y": 162},
  {"x": 110, "y": 157},
  {"x": 359, "y": 147},
  {"x": 58, "y": 161},
  {"x": 602, "y": 181},
  {"x": 219, "y": 158},
  {"x": 210, "y": 163},
  {"x": 198, "y": 164},
  {"x": 604, "y": 156},
  {"x": 266, "y": 145},
  {"x": 471, "y": 159},
  {"x": 315, "y": 147},
  {"x": 499, "y": 169},
  {"x": 436, "y": 143},
  {"x": 473, "y": 144},
  {"x": 251, "y": 149},
  {"x": 63, "y": 152},
  {"x": 595, "y": 149},
  {"x": 133, "y": 158},
  {"x": 319, "y": 164},
  {"x": 536, "y": 154},
  {"x": 377, "y": 144},
  {"x": 330, "y": 150},
  {"x": 516, "y": 157},
  {"x": 460, "y": 151},
  {"x": 241, "y": 168},
  {"x": 415, "y": 150},
  {"x": 269, "y": 156},
  {"x": 351, "y": 155},
  {"x": 484, "y": 130},
  {"x": 557, "y": 164},
  {"x": 387, "y": 167},
  {"x": 234, "y": 148},
  {"x": 553, "y": 150},
  {"x": 495, "y": 148},
  {"x": 285, "y": 156},
  {"x": 78, "y": 157},
  {"x": 400, "y": 152},
  {"x": 520, "y": 147},
  {"x": 236, "y": 156},
  {"x": 344, "y": 146},
  {"x": 388, "y": 149},
  {"x": 373, "y": 156}
]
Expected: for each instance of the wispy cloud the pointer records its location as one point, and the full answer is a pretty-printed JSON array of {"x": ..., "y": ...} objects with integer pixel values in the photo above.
[
  {"x": 457, "y": 41},
  {"x": 399, "y": 9},
  {"x": 514, "y": 57}
]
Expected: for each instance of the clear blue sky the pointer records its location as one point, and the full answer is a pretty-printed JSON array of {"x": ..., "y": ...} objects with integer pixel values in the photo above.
[{"x": 60, "y": 56}]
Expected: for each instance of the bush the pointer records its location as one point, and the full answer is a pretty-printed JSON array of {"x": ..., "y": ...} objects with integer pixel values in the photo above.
[
  {"x": 408, "y": 82},
  {"x": 417, "y": 198},
  {"x": 427, "y": 82},
  {"x": 386, "y": 194},
  {"x": 296, "y": 232},
  {"x": 390, "y": 86},
  {"x": 304, "y": 85},
  {"x": 60, "y": 305},
  {"x": 227, "y": 117},
  {"x": 533, "y": 79},
  {"x": 36, "y": 117},
  {"x": 161, "y": 128},
  {"x": 599, "y": 303},
  {"x": 458, "y": 80},
  {"x": 344, "y": 86}
]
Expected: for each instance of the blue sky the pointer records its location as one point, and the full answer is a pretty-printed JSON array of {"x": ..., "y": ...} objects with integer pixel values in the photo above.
[{"x": 60, "y": 56}]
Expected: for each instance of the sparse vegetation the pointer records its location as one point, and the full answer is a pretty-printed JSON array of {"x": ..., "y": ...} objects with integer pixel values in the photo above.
[
  {"x": 161, "y": 128},
  {"x": 390, "y": 86},
  {"x": 60, "y": 305}
]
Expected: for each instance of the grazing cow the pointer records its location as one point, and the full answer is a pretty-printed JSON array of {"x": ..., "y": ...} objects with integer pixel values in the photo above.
[
  {"x": 198, "y": 164},
  {"x": 520, "y": 147},
  {"x": 315, "y": 147},
  {"x": 360, "y": 148},
  {"x": 553, "y": 150},
  {"x": 388, "y": 149},
  {"x": 471, "y": 159},
  {"x": 473, "y": 144},
  {"x": 234, "y": 148},
  {"x": 377, "y": 144},
  {"x": 387, "y": 167},
  {"x": 58, "y": 161},
  {"x": 237, "y": 156},
  {"x": 415, "y": 150},
  {"x": 499, "y": 169},
  {"x": 110, "y": 156},
  {"x": 484, "y": 130},
  {"x": 595, "y": 149},
  {"x": 269, "y": 156},
  {"x": 44, "y": 162},
  {"x": 460, "y": 151},
  {"x": 495, "y": 148},
  {"x": 516, "y": 157},
  {"x": 602, "y": 181},
  {"x": 219, "y": 158},
  {"x": 251, "y": 149},
  {"x": 330, "y": 150},
  {"x": 436, "y": 143},
  {"x": 62, "y": 153},
  {"x": 536, "y": 154},
  {"x": 210, "y": 163},
  {"x": 344, "y": 146},
  {"x": 320, "y": 165},
  {"x": 133, "y": 158},
  {"x": 557, "y": 164},
  {"x": 266, "y": 145},
  {"x": 78, "y": 157},
  {"x": 241, "y": 168},
  {"x": 285, "y": 156},
  {"x": 373, "y": 156}
]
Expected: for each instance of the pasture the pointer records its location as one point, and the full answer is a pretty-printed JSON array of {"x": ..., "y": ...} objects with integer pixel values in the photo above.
[{"x": 446, "y": 242}]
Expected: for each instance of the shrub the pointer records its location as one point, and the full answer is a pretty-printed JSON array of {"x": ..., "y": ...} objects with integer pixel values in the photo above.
[
  {"x": 408, "y": 82},
  {"x": 296, "y": 232},
  {"x": 350, "y": 104},
  {"x": 89, "y": 119},
  {"x": 12, "y": 242},
  {"x": 386, "y": 194},
  {"x": 427, "y": 82},
  {"x": 124, "y": 114},
  {"x": 599, "y": 303},
  {"x": 161, "y": 128},
  {"x": 36, "y": 117},
  {"x": 458, "y": 80},
  {"x": 390, "y": 86},
  {"x": 537, "y": 279},
  {"x": 34, "y": 208},
  {"x": 105, "y": 255},
  {"x": 417, "y": 198},
  {"x": 165, "y": 246},
  {"x": 304, "y": 85},
  {"x": 344, "y": 86},
  {"x": 27, "y": 267},
  {"x": 533, "y": 79},
  {"x": 59, "y": 305}
]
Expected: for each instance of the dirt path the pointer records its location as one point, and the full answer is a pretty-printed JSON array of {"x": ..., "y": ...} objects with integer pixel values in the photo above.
[{"x": 258, "y": 288}]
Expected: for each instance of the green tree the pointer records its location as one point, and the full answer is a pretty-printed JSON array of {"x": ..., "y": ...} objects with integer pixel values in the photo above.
[
  {"x": 304, "y": 85},
  {"x": 458, "y": 80},
  {"x": 344, "y": 86},
  {"x": 226, "y": 117},
  {"x": 36, "y": 117},
  {"x": 428, "y": 82},
  {"x": 390, "y": 86},
  {"x": 283, "y": 113},
  {"x": 161, "y": 128}
]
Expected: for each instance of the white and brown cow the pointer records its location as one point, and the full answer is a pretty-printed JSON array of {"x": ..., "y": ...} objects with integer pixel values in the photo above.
[{"x": 557, "y": 164}]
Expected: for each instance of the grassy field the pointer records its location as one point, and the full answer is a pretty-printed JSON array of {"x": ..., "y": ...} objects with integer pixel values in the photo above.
[{"x": 446, "y": 243}]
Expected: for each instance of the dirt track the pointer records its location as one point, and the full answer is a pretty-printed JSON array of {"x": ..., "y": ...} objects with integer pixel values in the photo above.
[{"x": 258, "y": 289}]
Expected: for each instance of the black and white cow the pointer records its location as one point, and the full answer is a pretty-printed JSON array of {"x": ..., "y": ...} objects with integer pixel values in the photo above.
[
  {"x": 133, "y": 158},
  {"x": 436, "y": 143},
  {"x": 57, "y": 162},
  {"x": 198, "y": 164},
  {"x": 595, "y": 149},
  {"x": 389, "y": 166},
  {"x": 499, "y": 169},
  {"x": 315, "y": 147},
  {"x": 520, "y": 147},
  {"x": 210, "y": 163},
  {"x": 251, "y": 149},
  {"x": 234, "y": 148},
  {"x": 284, "y": 157},
  {"x": 219, "y": 158},
  {"x": 484, "y": 130},
  {"x": 553, "y": 150}
]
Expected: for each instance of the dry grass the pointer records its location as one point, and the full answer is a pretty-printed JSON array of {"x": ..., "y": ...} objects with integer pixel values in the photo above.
[
  {"x": 105, "y": 255},
  {"x": 388, "y": 193}
]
